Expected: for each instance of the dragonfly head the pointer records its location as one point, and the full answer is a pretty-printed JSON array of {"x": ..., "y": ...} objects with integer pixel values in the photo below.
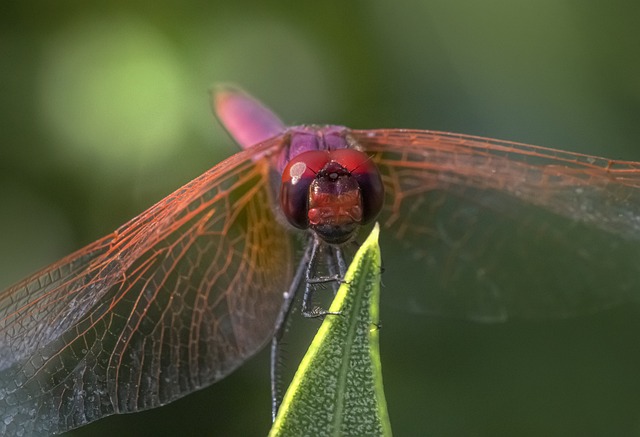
[{"x": 331, "y": 192}]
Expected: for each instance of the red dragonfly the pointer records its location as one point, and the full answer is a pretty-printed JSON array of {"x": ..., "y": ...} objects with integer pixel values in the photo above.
[{"x": 183, "y": 294}]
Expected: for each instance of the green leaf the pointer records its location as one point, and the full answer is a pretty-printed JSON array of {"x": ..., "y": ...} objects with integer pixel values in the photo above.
[{"x": 337, "y": 390}]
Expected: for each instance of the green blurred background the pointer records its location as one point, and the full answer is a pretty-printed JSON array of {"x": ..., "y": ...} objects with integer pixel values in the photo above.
[{"x": 105, "y": 111}]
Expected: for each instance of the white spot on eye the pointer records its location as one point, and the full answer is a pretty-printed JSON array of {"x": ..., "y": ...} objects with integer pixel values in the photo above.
[{"x": 296, "y": 171}]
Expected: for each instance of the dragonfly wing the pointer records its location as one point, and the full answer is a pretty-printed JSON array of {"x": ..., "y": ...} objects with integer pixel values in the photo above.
[
  {"x": 491, "y": 230},
  {"x": 46, "y": 304},
  {"x": 171, "y": 302}
]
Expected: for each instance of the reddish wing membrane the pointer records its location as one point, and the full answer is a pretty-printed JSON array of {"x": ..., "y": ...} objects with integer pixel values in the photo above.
[
  {"x": 172, "y": 301},
  {"x": 491, "y": 230}
]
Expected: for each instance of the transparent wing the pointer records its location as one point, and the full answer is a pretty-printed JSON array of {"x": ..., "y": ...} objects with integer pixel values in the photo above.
[
  {"x": 490, "y": 229},
  {"x": 172, "y": 301}
]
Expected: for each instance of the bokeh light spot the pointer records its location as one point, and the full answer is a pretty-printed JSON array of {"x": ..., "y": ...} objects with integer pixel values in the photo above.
[{"x": 113, "y": 90}]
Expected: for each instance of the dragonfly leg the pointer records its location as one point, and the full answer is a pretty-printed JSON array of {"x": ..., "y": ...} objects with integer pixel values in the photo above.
[
  {"x": 304, "y": 272},
  {"x": 308, "y": 310},
  {"x": 339, "y": 257},
  {"x": 280, "y": 328},
  {"x": 335, "y": 278}
]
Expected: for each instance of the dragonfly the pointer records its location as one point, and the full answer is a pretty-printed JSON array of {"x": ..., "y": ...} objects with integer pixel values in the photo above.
[{"x": 183, "y": 294}]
